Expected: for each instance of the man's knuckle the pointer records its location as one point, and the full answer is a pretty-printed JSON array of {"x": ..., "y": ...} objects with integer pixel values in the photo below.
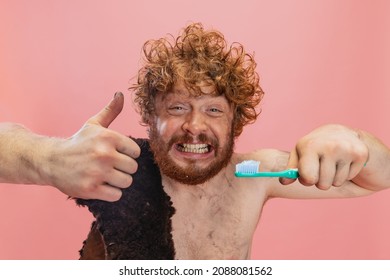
[
  {"x": 309, "y": 179},
  {"x": 323, "y": 186},
  {"x": 129, "y": 181}
]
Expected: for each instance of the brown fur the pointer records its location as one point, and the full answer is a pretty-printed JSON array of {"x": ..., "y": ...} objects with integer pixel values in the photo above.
[{"x": 138, "y": 226}]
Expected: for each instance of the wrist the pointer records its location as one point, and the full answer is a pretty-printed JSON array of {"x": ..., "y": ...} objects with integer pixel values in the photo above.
[
  {"x": 375, "y": 175},
  {"x": 365, "y": 138},
  {"x": 46, "y": 160}
]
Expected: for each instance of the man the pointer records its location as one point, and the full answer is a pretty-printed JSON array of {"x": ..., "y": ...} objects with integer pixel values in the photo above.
[
  {"x": 94, "y": 163},
  {"x": 196, "y": 94}
]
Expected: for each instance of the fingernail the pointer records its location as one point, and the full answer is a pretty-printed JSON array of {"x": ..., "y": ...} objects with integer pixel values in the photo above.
[{"x": 118, "y": 93}]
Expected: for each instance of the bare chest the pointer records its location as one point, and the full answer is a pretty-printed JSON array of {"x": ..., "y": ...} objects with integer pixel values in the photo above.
[{"x": 218, "y": 226}]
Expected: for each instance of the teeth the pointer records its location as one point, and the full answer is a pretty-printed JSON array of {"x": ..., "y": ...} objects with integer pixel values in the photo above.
[{"x": 195, "y": 148}]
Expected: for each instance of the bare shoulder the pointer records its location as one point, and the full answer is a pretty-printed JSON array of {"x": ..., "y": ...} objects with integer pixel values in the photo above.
[{"x": 270, "y": 159}]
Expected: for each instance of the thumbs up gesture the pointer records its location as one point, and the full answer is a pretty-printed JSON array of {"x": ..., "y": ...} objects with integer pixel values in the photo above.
[{"x": 96, "y": 162}]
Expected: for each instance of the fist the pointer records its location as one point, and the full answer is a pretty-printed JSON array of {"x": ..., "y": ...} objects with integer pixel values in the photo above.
[{"x": 328, "y": 156}]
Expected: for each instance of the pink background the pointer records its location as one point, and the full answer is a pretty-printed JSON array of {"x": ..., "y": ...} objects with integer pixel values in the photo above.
[{"x": 325, "y": 61}]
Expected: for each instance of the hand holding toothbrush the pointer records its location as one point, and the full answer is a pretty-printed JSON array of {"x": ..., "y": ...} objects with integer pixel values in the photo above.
[{"x": 328, "y": 156}]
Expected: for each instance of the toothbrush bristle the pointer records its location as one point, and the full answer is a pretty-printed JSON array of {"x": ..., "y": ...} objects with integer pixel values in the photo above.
[{"x": 248, "y": 167}]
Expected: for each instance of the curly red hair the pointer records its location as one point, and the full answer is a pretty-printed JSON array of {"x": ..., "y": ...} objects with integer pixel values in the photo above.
[{"x": 198, "y": 57}]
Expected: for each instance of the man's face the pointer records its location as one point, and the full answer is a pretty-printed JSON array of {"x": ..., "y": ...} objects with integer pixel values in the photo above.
[{"x": 191, "y": 137}]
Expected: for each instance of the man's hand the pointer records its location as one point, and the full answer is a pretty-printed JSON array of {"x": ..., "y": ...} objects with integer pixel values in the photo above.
[
  {"x": 328, "y": 156},
  {"x": 95, "y": 163}
]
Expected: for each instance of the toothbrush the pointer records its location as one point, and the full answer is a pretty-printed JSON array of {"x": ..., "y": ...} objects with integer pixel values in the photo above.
[{"x": 249, "y": 168}]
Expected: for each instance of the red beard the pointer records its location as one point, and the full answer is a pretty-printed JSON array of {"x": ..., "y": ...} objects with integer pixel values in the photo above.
[{"x": 191, "y": 174}]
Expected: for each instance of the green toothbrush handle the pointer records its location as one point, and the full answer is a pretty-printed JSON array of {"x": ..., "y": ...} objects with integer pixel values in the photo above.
[{"x": 289, "y": 173}]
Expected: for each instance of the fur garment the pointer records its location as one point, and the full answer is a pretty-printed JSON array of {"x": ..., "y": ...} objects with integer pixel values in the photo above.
[{"x": 138, "y": 226}]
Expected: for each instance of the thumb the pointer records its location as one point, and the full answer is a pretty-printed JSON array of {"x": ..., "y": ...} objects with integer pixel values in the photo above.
[
  {"x": 292, "y": 164},
  {"x": 106, "y": 116}
]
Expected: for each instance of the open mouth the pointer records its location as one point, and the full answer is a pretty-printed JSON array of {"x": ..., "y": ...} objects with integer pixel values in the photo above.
[{"x": 194, "y": 148}]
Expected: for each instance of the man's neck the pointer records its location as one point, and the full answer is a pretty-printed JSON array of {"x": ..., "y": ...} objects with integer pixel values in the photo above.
[{"x": 209, "y": 187}]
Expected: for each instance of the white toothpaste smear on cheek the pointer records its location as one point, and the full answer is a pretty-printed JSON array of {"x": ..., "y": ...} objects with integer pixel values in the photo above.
[{"x": 161, "y": 125}]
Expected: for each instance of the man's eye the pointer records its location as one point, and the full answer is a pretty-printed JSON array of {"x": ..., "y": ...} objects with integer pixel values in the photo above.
[
  {"x": 176, "y": 108},
  {"x": 215, "y": 110}
]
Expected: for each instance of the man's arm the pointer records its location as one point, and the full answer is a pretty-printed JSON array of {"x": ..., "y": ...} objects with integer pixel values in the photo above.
[{"x": 95, "y": 163}]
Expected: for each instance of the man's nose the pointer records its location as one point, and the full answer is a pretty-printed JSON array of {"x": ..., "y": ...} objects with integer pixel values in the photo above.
[{"x": 195, "y": 123}]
